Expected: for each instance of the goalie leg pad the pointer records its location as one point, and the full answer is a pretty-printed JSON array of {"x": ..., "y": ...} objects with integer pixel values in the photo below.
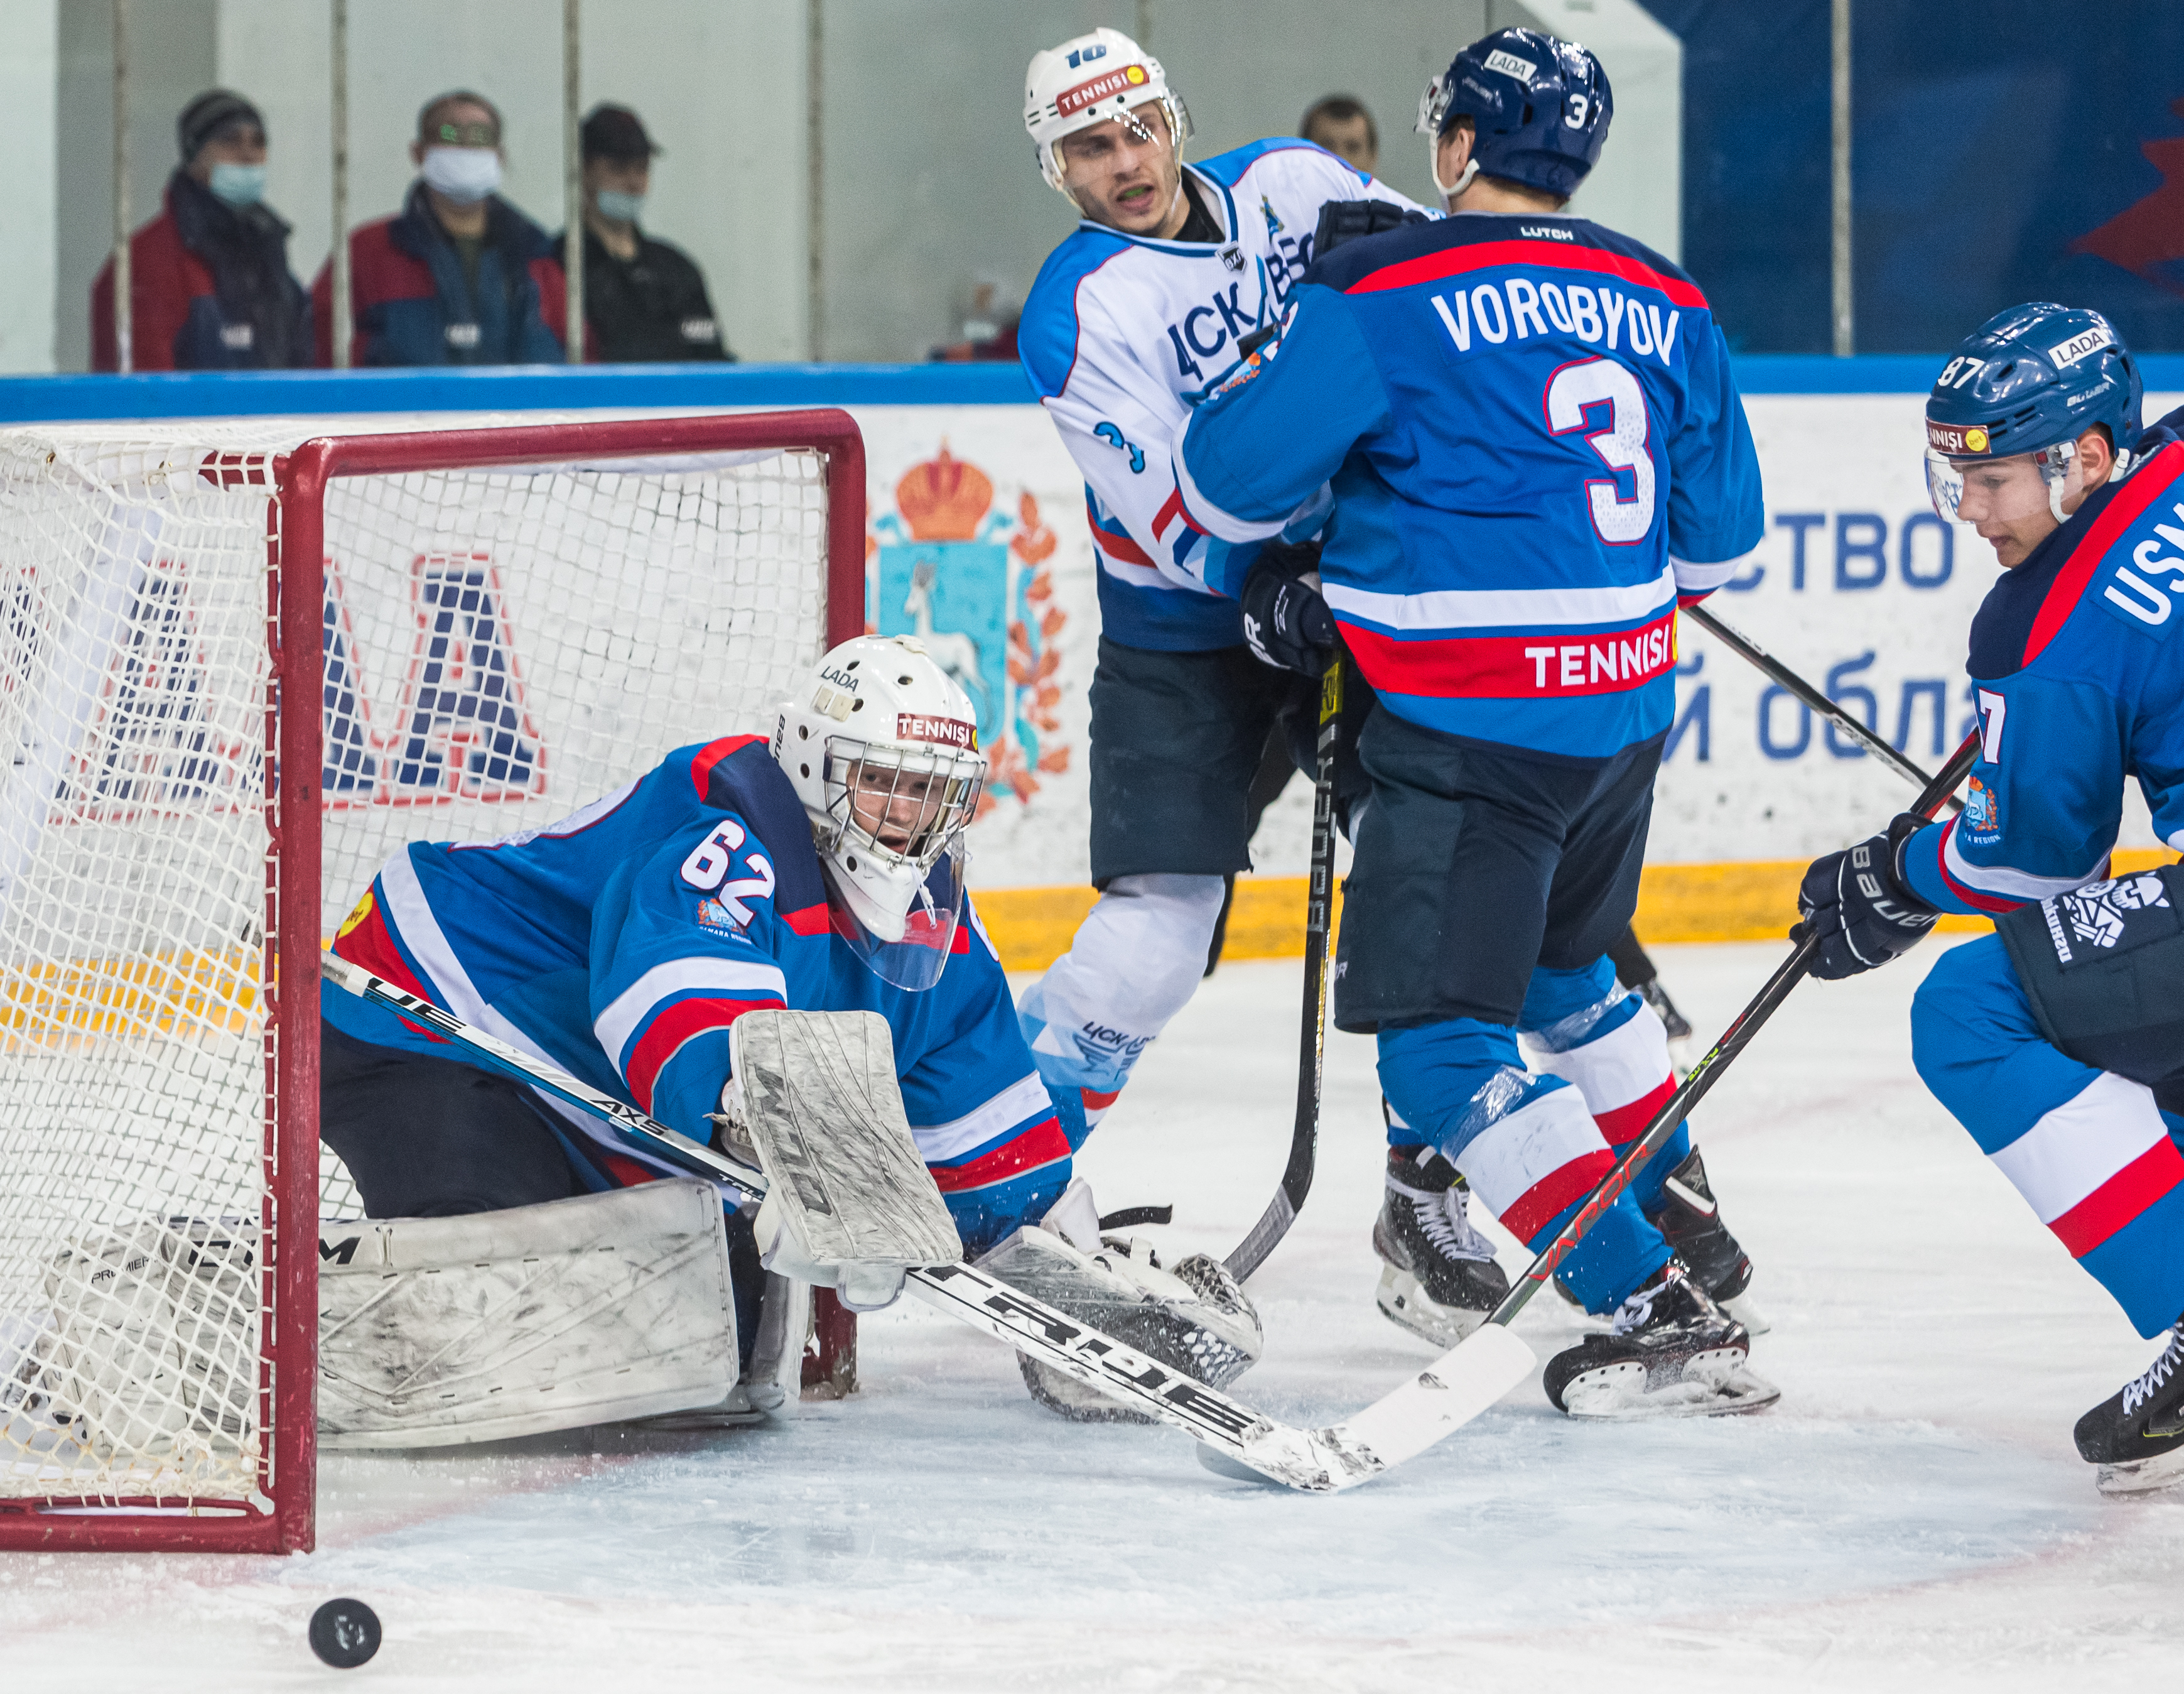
[
  {"x": 435, "y": 1331},
  {"x": 851, "y": 1204}
]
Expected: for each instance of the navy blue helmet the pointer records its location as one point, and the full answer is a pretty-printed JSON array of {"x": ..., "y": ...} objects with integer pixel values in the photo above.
[
  {"x": 2029, "y": 379},
  {"x": 1541, "y": 107}
]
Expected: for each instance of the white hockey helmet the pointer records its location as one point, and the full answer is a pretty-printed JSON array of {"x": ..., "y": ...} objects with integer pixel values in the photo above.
[
  {"x": 882, "y": 747},
  {"x": 1089, "y": 80}
]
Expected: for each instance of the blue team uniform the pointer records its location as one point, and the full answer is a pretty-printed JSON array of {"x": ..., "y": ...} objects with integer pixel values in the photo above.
[
  {"x": 610, "y": 945},
  {"x": 1534, "y": 448},
  {"x": 2080, "y": 684}
]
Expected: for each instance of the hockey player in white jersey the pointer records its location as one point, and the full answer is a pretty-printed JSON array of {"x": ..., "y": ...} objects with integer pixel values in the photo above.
[{"x": 1141, "y": 312}]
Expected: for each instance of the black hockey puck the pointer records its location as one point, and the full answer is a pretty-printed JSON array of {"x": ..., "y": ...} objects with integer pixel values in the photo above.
[{"x": 345, "y": 1633}]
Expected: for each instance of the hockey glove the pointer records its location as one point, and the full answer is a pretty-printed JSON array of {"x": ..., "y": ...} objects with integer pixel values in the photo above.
[
  {"x": 1858, "y": 905},
  {"x": 1341, "y": 220},
  {"x": 1286, "y": 620}
]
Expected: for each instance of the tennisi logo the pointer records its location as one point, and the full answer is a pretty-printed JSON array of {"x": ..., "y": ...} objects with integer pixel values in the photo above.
[
  {"x": 1099, "y": 88},
  {"x": 1955, "y": 439},
  {"x": 949, "y": 732}
]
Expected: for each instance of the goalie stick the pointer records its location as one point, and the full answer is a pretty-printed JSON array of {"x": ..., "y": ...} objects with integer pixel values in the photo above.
[
  {"x": 1311, "y": 1040},
  {"x": 1312, "y": 1461},
  {"x": 1414, "y": 1416},
  {"x": 1798, "y": 688}
]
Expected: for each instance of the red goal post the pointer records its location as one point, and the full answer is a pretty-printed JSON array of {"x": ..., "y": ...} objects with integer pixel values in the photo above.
[{"x": 546, "y": 604}]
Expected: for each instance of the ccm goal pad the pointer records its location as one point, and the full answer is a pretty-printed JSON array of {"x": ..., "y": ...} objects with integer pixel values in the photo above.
[{"x": 240, "y": 664}]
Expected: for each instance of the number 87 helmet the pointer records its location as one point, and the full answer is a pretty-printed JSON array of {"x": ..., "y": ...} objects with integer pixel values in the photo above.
[
  {"x": 2029, "y": 379},
  {"x": 882, "y": 747}
]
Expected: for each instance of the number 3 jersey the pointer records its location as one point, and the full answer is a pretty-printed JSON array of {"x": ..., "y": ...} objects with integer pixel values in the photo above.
[
  {"x": 1534, "y": 446},
  {"x": 1122, "y": 334},
  {"x": 622, "y": 942}
]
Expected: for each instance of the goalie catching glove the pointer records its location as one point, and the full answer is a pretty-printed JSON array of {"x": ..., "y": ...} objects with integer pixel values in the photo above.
[
  {"x": 1194, "y": 1317},
  {"x": 1856, "y": 906}
]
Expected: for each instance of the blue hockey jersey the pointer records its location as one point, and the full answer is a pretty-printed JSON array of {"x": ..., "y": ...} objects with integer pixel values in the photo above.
[
  {"x": 596, "y": 945},
  {"x": 1122, "y": 334},
  {"x": 2080, "y": 683},
  {"x": 1535, "y": 446}
]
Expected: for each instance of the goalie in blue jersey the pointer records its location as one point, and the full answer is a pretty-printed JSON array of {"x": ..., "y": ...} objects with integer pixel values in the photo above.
[
  {"x": 1534, "y": 449},
  {"x": 2059, "y": 1040},
  {"x": 820, "y": 869}
]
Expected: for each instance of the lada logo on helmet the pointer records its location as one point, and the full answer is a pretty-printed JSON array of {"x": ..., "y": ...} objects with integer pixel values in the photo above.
[
  {"x": 2063, "y": 355},
  {"x": 949, "y": 732},
  {"x": 1954, "y": 438},
  {"x": 839, "y": 677},
  {"x": 1099, "y": 88},
  {"x": 1510, "y": 66}
]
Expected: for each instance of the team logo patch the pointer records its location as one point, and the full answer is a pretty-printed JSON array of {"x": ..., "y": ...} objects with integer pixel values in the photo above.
[
  {"x": 1956, "y": 440},
  {"x": 1982, "y": 809},
  {"x": 947, "y": 732},
  {"x": 712, "y": 914},
  {"x": 1099, "y": 88}
]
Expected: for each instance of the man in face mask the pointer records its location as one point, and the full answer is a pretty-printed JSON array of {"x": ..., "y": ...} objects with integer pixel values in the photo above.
[
  {"x": 458, "y": 276},
  {"x": 210, "y": 287},
  {"x": 644, "y": 300}
]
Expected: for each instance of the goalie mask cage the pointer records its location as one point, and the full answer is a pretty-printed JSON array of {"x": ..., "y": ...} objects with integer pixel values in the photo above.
[{"x": 245, "y": 661}]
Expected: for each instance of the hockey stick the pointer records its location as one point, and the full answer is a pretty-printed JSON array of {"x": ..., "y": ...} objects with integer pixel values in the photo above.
[
  {"x": 1312, "y": 1461},
  {"x": 1795, "y": 685},
  {"x": 1311, "y": 1040},
  {"x": 1476, "y": 1372}
]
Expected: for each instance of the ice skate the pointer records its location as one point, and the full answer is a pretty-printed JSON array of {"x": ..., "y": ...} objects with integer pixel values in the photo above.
[
  {"x": 2136, "y": 1436},
  {"x": 1670, "y": 1352},
  {"x": 1689, "y": 1218},
  {"x": 1438, "y": 1277}
]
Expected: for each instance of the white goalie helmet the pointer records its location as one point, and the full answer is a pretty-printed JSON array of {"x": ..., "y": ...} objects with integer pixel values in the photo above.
[
  {"x": 1093, "y": 79},
  {"x": 882, "y": 747}
]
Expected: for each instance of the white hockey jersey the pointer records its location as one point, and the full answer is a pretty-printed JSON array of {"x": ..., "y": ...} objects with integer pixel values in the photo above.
[{"x": 1123, "y": 335}]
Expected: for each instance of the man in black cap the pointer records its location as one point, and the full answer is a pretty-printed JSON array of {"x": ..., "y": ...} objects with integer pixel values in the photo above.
[
  {"x": 210, "y": 287},
  {"x": 644, "y": 301}
]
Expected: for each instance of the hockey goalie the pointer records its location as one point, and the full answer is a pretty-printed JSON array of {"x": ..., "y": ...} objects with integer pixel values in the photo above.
[{"x": 521, "y": 1251}]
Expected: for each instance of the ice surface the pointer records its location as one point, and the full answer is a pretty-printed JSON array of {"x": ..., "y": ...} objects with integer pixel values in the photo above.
[{"x": 1912, "y": 1516}]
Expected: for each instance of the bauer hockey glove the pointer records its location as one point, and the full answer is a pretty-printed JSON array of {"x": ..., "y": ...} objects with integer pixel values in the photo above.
[
  {"x": 1858, "y": 906},
  {"x": 1286, "y": 620}
]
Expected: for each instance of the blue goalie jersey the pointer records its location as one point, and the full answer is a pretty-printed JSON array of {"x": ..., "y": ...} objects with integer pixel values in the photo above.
[
  {"x": 1534, "y": 447},
  {"x": 594, "y": 944}
]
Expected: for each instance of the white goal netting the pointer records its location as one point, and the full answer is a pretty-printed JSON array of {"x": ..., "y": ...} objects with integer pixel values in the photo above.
[{"x": 499, "y": 647}]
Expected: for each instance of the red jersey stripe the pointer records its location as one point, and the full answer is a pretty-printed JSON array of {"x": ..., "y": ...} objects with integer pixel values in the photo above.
[
  {"x": 1043, "y": 1144},
  {"x": 1555, "y": 667},
  {"x": 1455, "y": 261},
  {"x": 701, "y": 768},
  {"x": 665, "y": 1036},
  {"x": 2152, "y": 478},
  {"x": 2118, "y": 1202}
]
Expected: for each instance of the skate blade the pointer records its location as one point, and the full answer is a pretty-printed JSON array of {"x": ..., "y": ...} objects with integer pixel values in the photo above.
[
  {"x": 1714, "y": 1384},
  {"x": 1407, "y": 1304},
  {"x": 2142, "y": 1476},
  {"x": 1753, "y": 1317}
]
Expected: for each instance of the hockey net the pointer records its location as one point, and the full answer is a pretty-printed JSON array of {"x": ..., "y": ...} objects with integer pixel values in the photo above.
[{"x": 241, "y": 664}]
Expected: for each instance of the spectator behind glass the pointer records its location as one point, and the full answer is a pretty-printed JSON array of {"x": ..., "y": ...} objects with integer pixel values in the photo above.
[
  {"x": 210, "y": 287},
  {"x": 644, "y": 300},
  {"x": 1340, "y": 124},
  {"x": 456, "y": 276}
]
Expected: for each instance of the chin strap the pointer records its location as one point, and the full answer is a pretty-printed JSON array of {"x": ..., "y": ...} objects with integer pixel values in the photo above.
[{"x": 1449, "y": 191}]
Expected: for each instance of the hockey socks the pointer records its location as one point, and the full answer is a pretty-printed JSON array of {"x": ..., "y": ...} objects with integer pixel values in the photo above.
[{"x": 1136, "y": 960}]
